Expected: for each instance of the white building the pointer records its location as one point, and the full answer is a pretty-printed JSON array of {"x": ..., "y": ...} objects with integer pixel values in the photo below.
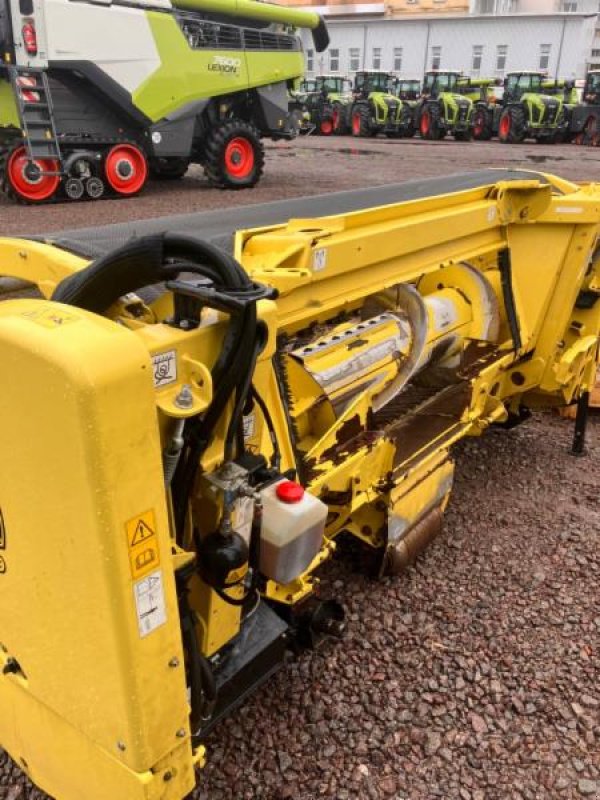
[{"x": 480, "y": 45}]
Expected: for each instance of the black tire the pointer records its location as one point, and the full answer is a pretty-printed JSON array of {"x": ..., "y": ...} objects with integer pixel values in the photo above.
[
  {"x": 430, "y": 126},
  {"x": 224, "y": 158},
  {"x": 462, "y": 136},
  {"x": 168, "y": 169},
  {"x": 361, "y": 121},
  {"x": 513, "y": 125},
  {"x": 483, "y": 125}
]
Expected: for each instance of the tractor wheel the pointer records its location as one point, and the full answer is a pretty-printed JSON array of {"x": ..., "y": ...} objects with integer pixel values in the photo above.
[
  {"x": 338, "y": 119},
  {"x": 429, "y": 125},
  {"x": 168, "y": 169},
  {"x": 234, "y": 155},
  {"x": 483, "y": 128},
  {"x": 462, "y": 136},
  {"x": 126, "y": 169},
  {"x": 512, "y": 128},
  {"x": 589, "y": 134},
  {"x": 24, "y": 181},
  {"x": 361, "y": 121},
  {"x": 326, "y": 126}
]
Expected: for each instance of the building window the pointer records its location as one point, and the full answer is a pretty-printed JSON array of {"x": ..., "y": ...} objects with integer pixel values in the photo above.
[
  {"x": 354, "y": 58},
  {"x": 398, "y": 59},
  {"x": 545, "y": 55},
  {"x": 569, "y": 6},
  {"x": 501, "y": 52},
  {"x": 377, "y": 58},
  {"x": 436, "y": 57},
  {"x": 476, "y": 60},
  {"x": 595, "y": 53},
  {"x": 487, "y": 6},
  {"x": 310, "y": 60},
  {"x": 334, "y": 60}
]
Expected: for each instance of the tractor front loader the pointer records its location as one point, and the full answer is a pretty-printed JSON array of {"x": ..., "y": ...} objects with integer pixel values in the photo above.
[
  {"x": 585, "y": 118},
  {"x": 375, "y": 108},
  {"x": 446, "y": 105},
  {"x": 96, "y": 97},
  {"x": 202, "y": 428}
]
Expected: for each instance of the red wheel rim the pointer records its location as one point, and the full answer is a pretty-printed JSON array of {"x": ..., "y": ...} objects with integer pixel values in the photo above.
[
  {"x": 126, "y": 169},
  {"x": 335, "y": 120},
  {"x": 239, "y": 157},
  {"x": 37, "y": 189},
  {"x": 326, "y": 127},
  {"x": 505, "y": 125},
  {"x": 356, "y": 124},
  {"x": 478, "y": 126},
  {"x": 425, "y": 123}
]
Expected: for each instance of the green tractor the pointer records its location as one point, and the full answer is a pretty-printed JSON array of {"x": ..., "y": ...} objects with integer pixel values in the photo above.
[
  {"x": 95, "y": 97},
  {"x": 585, "y": 118},
  {"x": 321, "y": 101},
  {"x": 375, "y": 108},
  {"x": 531, "y": 107},
  {"x": 446, "y": 104}
]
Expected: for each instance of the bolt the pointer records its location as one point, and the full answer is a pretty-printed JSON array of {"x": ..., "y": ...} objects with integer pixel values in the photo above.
[
  {"x": 122, "y": 746},
  {"x": 174, "y": 662},
  {"x": 185, "y": 398},
  {"x": 168, "y": 776},
  {"x": 180, "y": 733}
]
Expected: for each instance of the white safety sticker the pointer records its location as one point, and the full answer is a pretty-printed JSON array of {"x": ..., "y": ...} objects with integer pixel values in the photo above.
[
  {"x": 164, "y": 368},
  {"x": 150, "y": 602},
  {"x": 243, "y": 514},
  {"x": 249, "y": 426},
  {"x": 319, "y": 259}
]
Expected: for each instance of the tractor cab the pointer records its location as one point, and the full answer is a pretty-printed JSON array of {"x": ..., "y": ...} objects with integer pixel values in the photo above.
[
  {"x": 591, "y": 90},
  {"x": 333, "y": 84},
  {"x": 407, "y": 89},
  {"x": 436, "y": 83},
  {"x": 516, "y": 84},
  {"x": 366, "y": 83},
  {"x": 307, "y": 85}
]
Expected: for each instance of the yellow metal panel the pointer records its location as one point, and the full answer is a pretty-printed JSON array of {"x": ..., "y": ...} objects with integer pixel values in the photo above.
[{"x": 83, "y": 463}]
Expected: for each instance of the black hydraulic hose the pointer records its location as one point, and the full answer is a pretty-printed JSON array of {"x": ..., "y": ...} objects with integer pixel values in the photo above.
[
  {"x": 243, "y": 391},
  {"x": 276, "y": 457}
]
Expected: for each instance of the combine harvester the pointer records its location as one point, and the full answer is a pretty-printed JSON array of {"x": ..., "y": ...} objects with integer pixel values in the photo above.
[
  {"x": 97, "y": 96},
  {"x": 194, "y": 452}
]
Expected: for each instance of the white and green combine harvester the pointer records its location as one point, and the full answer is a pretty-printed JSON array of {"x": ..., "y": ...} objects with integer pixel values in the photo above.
[{"x": 95, "y": 97}]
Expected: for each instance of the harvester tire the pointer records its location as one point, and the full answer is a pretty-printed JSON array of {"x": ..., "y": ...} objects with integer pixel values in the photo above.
[
  {"x": 483, "y": 128},
  {"x": 361, "y": 121},
  {"x": 430, "y": 126},
  {"x": 234, "y": 155},
  {"x": 326, "y": 126},
  {"x": 22, "y": 184},
  {"x": 168, "y": 169},
  {"x": 513, "y": 126}
]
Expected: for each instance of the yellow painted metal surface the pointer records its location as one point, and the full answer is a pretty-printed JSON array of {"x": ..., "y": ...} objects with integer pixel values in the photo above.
[{"x": 397, "y": 331}]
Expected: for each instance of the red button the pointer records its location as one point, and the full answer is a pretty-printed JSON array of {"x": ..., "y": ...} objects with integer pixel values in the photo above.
[{"x": 289, "y": 492}]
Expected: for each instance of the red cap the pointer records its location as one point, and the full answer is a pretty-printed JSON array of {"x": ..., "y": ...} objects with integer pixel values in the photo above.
[{"x": 289, "y": 492}]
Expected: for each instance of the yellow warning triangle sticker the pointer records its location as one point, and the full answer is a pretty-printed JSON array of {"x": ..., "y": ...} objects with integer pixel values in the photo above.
[{"x": 142, "y": 532}]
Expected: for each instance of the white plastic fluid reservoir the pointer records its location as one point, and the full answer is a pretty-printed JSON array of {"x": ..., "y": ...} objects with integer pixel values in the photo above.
[{"x": 292, "y": 530}]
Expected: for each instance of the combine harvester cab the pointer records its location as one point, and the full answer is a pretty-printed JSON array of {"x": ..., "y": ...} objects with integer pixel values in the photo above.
[
  {"x": 375, "y": 108},
  {"x": 531, "y": 107},
  {"x": 445, "y": 106},
  {"x": 105, "y": 95},
  {"x": 585, "y": 118}
]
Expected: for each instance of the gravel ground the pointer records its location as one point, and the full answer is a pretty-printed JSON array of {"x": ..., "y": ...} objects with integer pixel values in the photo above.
[
  {"x": 474, "y": 676},
  {"x": 311, "y": 165}
]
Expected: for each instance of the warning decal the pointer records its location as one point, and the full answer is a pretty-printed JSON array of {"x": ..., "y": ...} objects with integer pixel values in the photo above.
[
  {"x": 150, "y": 603},
  {"x": 142, "y": 542},
  {"x": 51, "y": 318}
]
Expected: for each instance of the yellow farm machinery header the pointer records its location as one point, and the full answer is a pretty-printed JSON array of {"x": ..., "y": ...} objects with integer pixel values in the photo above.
[{"x": 202, "y": 427}]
